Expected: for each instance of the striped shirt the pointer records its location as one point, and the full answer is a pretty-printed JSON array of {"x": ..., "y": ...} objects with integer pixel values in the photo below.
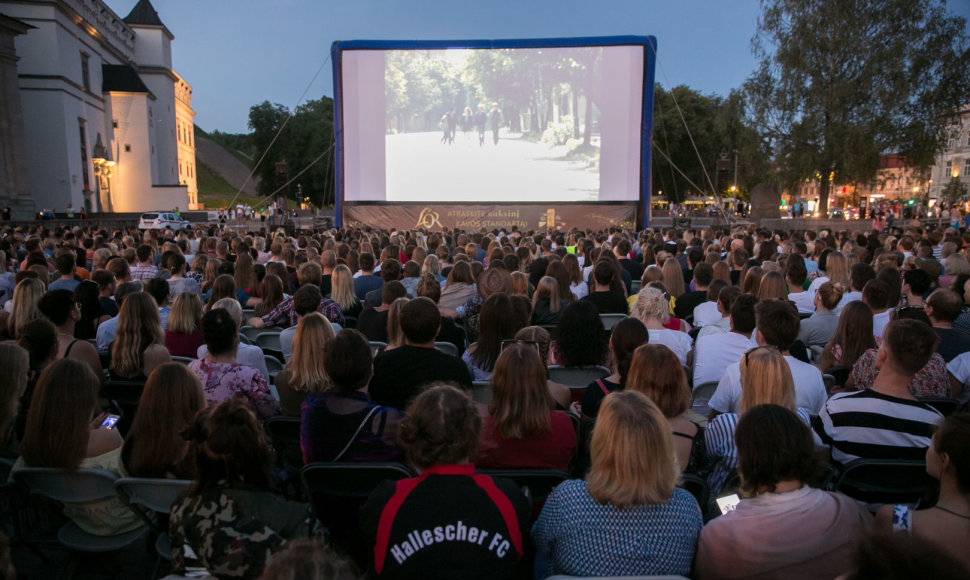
[
  {"x": 872, "y": 425},
  {"x": 722, "y": 450}
]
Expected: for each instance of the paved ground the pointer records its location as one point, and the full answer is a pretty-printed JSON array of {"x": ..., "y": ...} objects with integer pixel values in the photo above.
[{"x": 421, "y": 168}]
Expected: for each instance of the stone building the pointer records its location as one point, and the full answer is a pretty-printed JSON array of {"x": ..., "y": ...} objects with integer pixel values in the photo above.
[{"x": 104, "y": 115}]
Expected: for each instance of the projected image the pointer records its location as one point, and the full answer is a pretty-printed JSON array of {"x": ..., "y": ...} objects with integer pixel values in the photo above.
[{"x": 493, "y": 124}]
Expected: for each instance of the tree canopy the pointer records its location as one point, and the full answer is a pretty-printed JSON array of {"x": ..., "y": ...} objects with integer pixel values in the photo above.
[
  {"x": 306, "y": 143},
  {"x": 718, "y": 127},
  {"x": 841, "y": 82}
]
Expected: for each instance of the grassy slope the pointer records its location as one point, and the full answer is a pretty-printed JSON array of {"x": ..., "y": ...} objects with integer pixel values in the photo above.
[{"x": 214, "y": 191}]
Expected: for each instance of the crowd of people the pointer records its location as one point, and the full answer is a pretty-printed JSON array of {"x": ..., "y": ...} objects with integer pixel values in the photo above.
[{"x": 752, "y": 362}]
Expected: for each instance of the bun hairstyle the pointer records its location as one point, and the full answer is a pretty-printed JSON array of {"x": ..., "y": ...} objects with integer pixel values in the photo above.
[
  {"x": 831, "y": 294},
  {"x": 229, "y": 445}
]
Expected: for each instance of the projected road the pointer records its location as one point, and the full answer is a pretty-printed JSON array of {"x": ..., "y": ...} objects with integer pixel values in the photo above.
[{"x": 422, "y": 168}]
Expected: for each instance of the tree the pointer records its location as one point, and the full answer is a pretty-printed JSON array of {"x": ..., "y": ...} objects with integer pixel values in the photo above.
[
  {"x": 954, "y": 192},
  {"x": 306, "y": 143},
  {"x": 717, "y": 126},
  {"x": 842, "y": 81}
]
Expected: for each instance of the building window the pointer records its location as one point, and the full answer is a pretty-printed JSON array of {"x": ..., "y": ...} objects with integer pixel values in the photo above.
[
  {"x": 127, "y": 148},
  {"x": 84, "y": 154},
  {"x": 85, "y": 72},
  {"x": 114, "y": 123},
  {"x": 949, "y": 168},
  {"x": 966, "y": 166}
]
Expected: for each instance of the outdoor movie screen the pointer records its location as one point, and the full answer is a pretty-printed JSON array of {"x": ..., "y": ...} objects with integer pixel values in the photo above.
[{"x": 551, "y": 124}]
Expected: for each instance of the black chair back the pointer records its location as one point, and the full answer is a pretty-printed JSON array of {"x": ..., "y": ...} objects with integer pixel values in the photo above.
[{"x": 896, "y": 481}]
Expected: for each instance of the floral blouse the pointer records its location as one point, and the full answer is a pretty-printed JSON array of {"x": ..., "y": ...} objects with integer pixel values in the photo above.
[
  {"x": 221, "y": 381},
  {"x": 930, "y": 381}
]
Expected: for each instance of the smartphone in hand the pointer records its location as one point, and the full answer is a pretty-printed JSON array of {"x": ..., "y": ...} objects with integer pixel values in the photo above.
[{"x": 110, "y": 421}]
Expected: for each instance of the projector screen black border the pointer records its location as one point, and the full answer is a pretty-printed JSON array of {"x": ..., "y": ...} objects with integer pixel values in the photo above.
[{"x": 648, "y": 44}]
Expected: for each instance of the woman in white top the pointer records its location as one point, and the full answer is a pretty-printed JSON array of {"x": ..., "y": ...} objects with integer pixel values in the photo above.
[
  {"x": 836, "y": 270},
  {"x": 652, "y": 309}
]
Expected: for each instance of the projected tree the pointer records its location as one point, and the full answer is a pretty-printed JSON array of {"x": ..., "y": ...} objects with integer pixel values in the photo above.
[
  {"x": 841, "y": 82},
  {"x": 527, "y": 83}
]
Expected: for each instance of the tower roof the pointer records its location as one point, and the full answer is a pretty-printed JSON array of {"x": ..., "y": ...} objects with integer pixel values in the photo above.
[{"x": 143, "y": 13}]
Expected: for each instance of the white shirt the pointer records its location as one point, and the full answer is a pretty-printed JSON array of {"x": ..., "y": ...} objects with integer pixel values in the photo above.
[
  {"x": 879, "y": 322},
  {"x": 722, "y": 326},
  {"x": 246, "y": 354},
  {"x": 959, "y": 367},
  {"x": 715, "y": 352},
  {"x": 675, "y": 340},
  {"x": 579, "y": 289},
  {"x": 846, "y": 298},
  {"x": 706, "y": 313},
  {"x": 804, "y": 301},
  {"x": 816, "y": 283},
  {"x": 810, "y": 391}
]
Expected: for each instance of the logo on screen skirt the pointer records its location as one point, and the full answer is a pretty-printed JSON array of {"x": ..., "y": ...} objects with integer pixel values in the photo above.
[{"x": 428, "y": 219}]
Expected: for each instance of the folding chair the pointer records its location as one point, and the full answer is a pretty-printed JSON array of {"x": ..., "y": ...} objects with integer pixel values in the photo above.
[
  {"x": 482, "y": 392},
  {"x": 840, "y": 374},
  {"x": 897, "y": 481},
  {"x": 539, "y": 482},
  {"x": 635, "y": 286},
  {"x": 697, "y": 486},
  {"x": 157, "y": 495},
  {"x": 610, "y": 320},
  {"x": 350, "y": 322},
  {"x": 284, "y": 433},
  {"x": 377, "y": 347},
  {"x": 268, "y": 340},
  {"x": 273, "y": 366},
  {"x": 447, "y": 348},
  {"x": 701, "y": 396},
  {"x": 250, "y": 332},
  {"x": 944, "y": 405},
  {"x": 78, "y": 486},
  {"x": 338, "y": 490},
  {"x": 577, "y": 378},
  {"x": 182, "y": 359}
]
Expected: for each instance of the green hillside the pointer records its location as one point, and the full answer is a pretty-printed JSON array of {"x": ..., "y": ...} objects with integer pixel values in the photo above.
[{"x": 215, "y": 192}]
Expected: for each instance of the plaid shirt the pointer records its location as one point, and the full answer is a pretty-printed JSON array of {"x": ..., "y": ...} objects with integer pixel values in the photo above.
[
  {"x": 139, "y": 272},
  {"x": 285, "y": 316}
]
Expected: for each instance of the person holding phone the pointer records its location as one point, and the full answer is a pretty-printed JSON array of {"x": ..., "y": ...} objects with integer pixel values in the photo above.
[
  {"x": 782, "y": 528},
  {"x": 61, "y": 433}
]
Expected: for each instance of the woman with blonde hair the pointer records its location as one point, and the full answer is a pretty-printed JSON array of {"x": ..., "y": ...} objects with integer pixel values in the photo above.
[
  {"x": 547, "y": 302},
  {"x": 24, "y": 306},
  {"x": 305, "y": 371},
  {"x": 628, "y": 511},
  {"x": 651, "y": 308},
  {"x": 773, "y": 287},
  {"x": 673, "y": 279},
  {"x": 139, "y": 344},
  {"x": 432, "y": 266},
  {"x": 766, "y": 379},
  {"x": 153, "y": 446},
  {"x": 655, "y": 372},
  {"x": 183, "y": 334},
  {"x": 522, "y": 430},
  {"x": 836, "y": 271},
  {"x": 342, "y": 292},
  {"x": 395, "y": 335},
  {"x": 210, "y": 274}
]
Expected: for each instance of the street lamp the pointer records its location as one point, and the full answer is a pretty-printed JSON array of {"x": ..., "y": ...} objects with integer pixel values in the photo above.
[{"x": 101, "y": 159}]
